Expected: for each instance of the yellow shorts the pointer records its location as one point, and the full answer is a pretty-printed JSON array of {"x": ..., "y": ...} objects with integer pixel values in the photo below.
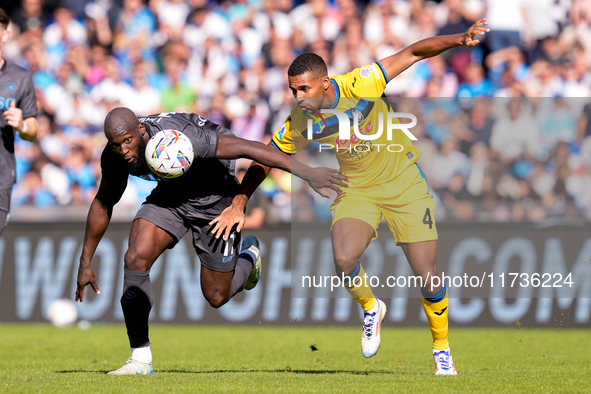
[{"x": 405, "y": 204}]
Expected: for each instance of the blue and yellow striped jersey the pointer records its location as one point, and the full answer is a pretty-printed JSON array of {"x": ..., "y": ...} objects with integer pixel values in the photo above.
[{"x": 364, "y": 162}]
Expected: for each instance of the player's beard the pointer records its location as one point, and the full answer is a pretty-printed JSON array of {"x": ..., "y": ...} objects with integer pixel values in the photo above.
[{"x": 140, "y": 167}]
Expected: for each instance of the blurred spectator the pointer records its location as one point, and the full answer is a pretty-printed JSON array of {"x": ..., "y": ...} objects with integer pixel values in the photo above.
[
  {"x": 515, "y": 132},
  {"x": 171, "y": 15},
  {"x": 135, "y": 29},
  {"x": 142, "y": 98},
  {"x": 508, "y": 20},
  {"x": 30, "y": 18},
  {"x": 178, "y": 97},
  {"x": 252, "y": 125},
  {"x": 487, "y": 159},
  {"x": 449, "y": 162},
  {"x": 475, "y": 82}
]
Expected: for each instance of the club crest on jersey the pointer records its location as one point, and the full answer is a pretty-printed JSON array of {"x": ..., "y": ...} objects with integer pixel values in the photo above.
[
  {"x": 10, "y": 87},
  {"x": 366, "y": 72},
  {"x": 358, "y": 114}
]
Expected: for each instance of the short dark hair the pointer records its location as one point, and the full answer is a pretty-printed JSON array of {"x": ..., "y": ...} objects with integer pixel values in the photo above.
[
  {"x": 308, "y": 62},
  {"x": 4, "y": 21}
]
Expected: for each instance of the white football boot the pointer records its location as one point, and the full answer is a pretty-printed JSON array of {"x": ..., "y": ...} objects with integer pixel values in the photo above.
[
  {"x": 370, "y": 338},
  {"x": 444, "y": 364},
  {"x": 133, "y": 367}
]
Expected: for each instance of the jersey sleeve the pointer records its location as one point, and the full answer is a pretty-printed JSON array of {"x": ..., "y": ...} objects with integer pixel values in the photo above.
[
  {"x": 204, "y": 140},
  {"x": 365, "y": 81},
  {"x": 28, "y": 102},
  {"x": 287, "y": 141}
]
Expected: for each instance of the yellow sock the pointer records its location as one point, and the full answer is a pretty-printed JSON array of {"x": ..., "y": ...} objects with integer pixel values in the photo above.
[
  {"x": 436, "y": 309},
  {"x": 360, "y": 290}
]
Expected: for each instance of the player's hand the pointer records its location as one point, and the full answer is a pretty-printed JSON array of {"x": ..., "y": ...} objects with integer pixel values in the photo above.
[
  {"x": 229, "y": 218},
  {"x": 85, "y": 277},
  {"x": 324, "y": 177},
  {"x": 477, "y": 29},
  {"x": 14, "y": 116}
]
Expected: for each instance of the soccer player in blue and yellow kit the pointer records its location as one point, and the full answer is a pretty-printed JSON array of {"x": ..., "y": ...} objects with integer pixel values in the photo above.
[{"x": 380, "y": 184}]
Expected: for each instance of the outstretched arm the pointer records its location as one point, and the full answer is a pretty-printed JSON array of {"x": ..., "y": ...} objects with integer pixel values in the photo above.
[
  {"x": 99, "y": 217},
  {"x": 265, "y": 157},
  {"x": 231, "y": 147},
  {"x": 429, "y": 47}
]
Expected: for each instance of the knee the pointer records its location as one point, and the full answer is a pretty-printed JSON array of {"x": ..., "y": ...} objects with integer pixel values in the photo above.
[
  {"x": 427, "y": 278},
  {"x": 345, "y": 261},
  {"x": 133, "y": 262},
  {"x": 216, "y": 300}
]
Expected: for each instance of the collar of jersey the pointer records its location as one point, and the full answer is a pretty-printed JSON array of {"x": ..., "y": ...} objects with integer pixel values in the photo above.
[
  {"x": 338, "y": 91},
  {"x": 149, "y": 129}
]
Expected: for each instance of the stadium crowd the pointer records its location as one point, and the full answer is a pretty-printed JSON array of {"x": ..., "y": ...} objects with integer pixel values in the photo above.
[{"x": 505, "y": 128}]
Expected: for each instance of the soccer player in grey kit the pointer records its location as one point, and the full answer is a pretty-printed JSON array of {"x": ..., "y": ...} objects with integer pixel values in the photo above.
[
  {"x": 19, "y": 106},
  {"x": 175, "y": 206}
]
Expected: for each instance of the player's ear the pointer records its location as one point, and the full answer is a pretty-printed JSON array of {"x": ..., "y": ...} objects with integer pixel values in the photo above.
[
  {"x": 325, "y": 82},
  {"x": 5, "y": 36},
  {"x": 142, "y": 129}
]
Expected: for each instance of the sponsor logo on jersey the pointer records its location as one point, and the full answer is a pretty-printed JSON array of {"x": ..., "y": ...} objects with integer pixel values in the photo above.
[
  {"x": 356, "y": 113},
  {"x": 5, "y": 102},
  {"x": 366, "y": 72}
]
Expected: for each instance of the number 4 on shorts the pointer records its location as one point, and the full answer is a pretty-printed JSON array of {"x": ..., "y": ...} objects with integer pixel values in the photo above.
[{"x": 427, "y": 218}]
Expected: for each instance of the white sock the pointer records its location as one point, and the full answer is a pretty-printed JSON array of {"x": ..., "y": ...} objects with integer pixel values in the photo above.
[{"x": 142, "y": 354}]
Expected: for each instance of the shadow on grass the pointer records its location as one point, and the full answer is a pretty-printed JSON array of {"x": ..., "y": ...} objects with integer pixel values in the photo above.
[{"x": 300, "y": 371}]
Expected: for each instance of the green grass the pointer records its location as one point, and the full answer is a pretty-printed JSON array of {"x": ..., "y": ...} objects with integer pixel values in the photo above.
[{"x": 40, "y": 358}]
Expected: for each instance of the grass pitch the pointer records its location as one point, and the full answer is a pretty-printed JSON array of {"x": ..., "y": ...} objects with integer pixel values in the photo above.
[{"x": 41, "y": 358}]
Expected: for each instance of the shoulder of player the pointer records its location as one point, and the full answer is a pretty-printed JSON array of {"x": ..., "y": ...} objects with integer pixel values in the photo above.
[
  {"x": 357, "y": 77},
  {"x": 15, "y": 69}
]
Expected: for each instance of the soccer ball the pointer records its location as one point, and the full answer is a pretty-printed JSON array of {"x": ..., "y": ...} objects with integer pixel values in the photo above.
[
  {"x": 61, "y": 313},
  {"x": 169, "y": 154}
]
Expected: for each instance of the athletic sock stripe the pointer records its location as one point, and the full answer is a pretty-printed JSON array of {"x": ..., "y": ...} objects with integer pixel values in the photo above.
[
  {"x": 438, "y": 296},
  {"x": 248, "y": 255},
  {"x": 356, "y": 271}
]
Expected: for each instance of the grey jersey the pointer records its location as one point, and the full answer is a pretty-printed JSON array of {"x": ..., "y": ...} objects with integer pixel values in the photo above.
[
  {"x": 206, "y": 182},
  {"x": 16, "y": 86}
]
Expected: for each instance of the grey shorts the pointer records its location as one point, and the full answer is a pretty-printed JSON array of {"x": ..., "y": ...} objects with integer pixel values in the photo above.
[
  {"x": 214, "y": 254},
  {"x": 4, "y": 207}
]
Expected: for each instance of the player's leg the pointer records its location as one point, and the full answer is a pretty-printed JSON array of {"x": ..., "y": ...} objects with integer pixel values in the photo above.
[
  {"x": 422, "y": 257},
  {"x": 146, "y": 242},
  {"x": 226, "y": 267},
  {"x": 350, "y": 237},
  {"x": 4, "y": 207},
  {"x": 413, "y": 226},
  {"x": 154, "y": 229}
]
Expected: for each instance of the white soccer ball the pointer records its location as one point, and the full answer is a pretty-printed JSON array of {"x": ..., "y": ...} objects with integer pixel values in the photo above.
[
  {"x": 62, "y": 313},
  {"x": 169, "y": 154}
]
